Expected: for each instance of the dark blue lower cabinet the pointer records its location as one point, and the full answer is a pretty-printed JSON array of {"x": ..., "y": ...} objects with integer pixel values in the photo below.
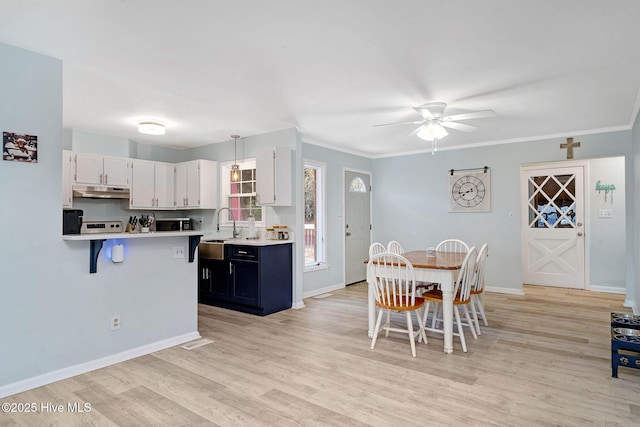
[
  {"x": 258, "y": 279},
  {"x": 213, "y": 280}
]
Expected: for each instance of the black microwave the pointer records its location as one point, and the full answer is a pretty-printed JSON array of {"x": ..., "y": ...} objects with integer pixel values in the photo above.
[{"x": 174, "y": 224}]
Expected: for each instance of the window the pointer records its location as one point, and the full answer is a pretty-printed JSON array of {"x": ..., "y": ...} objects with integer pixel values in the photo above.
[
  {"x": 314, "y": 215},
  {"x": 239, "y": 197},
  {"x": 357, "y": 185}
]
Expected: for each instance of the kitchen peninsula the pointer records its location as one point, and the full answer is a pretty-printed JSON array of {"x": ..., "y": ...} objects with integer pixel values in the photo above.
[{"x": 96, "y": 241}]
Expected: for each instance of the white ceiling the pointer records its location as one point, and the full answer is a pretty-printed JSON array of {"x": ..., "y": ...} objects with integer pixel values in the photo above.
[{"x": 334, "y": 68}]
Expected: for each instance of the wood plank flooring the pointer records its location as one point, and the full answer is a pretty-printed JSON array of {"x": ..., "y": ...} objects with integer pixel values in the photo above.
[{"x": 544, "y": 360}]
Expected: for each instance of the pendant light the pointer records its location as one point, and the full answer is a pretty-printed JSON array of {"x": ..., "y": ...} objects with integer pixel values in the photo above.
[{"x": 235, "y": 169}]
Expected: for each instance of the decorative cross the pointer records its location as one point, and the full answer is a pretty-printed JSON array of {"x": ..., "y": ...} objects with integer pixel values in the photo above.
[{"x": 570, "y": 146}]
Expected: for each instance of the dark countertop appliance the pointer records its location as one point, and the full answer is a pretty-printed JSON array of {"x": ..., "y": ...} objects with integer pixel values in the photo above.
[
  {"x": 174, "y": 224},
  {"x": 71, "y": 221}
]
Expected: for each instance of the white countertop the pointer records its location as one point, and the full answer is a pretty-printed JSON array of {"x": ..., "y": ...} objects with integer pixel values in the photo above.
[
  {"x": 137, "y": 235},
  {"x": 248, "y": 242}
]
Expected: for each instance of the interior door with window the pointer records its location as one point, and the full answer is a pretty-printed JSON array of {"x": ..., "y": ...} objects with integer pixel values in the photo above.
[
  {"x": 553, "y": 227},
  {"x": 357, "y": 198}
]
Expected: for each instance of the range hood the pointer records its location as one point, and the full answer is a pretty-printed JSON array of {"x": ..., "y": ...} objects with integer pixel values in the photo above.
[{"x": 100, "y": 192}]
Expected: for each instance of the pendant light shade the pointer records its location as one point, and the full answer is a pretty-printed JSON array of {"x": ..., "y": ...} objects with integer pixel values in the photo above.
[{"x": 235, "y": 169}]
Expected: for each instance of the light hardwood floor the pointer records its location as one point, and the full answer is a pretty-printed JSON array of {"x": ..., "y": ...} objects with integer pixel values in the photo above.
[{"x": 544, "y": 360}]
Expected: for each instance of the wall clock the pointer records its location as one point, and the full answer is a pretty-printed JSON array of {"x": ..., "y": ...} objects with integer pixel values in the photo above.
[{"x": 470, "y": 190}]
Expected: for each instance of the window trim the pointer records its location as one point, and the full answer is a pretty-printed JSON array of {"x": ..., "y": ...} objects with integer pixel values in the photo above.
[
  {"x": 321, "y": 214},
  {"x": 225, "y": 182}
]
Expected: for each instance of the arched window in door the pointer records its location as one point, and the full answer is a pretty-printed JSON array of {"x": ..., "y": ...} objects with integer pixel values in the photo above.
[{"x": 357, "y": 185}]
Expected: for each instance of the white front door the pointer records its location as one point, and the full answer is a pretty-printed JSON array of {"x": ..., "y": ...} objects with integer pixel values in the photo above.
[
  {"x": 553, "y": 226},
  {"x": 357, "y": 222}
]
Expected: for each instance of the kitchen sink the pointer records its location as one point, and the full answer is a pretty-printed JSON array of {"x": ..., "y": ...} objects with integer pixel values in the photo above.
[{"x": 211, "y": 249}]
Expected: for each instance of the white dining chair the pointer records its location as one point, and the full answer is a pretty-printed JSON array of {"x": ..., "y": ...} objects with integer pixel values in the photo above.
[
  {"x": 392, "y": 280},
  {"x": 452, "y": 245},
  {"x": 395, "y": 247},
  {"x": 462, "y": 298},
  {"x": 477, "y": 290},
  {"x": 376, "y": 248}
]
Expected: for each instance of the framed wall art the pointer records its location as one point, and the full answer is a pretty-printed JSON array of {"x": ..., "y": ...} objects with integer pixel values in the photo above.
[
  {"x": 20, "y": 148},
  {"x": 470, "y": 190}
]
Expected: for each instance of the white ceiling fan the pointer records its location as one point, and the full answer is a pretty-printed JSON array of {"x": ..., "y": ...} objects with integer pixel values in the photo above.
[{"x": 433, "y": 123}]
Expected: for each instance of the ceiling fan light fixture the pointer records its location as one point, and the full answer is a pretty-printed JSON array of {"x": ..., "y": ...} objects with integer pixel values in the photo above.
[
  {"x": 431, "y": 131},
  {"x": 151, "y": 127}
]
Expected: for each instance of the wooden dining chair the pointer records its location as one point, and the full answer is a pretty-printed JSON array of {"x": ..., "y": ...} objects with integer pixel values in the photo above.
[
  {"x": 392, "y": 280},
  {"x": 462, "y": 298},
  {"x": 452, "y": 245},
  {"x": 395, "y": 247},
  {"x": 477, "y": 290}
]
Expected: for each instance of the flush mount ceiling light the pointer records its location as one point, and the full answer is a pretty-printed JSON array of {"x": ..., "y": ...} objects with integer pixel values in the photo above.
[
  {"x": 235, "y": 169},
  {"x": 151, "y": 127}
]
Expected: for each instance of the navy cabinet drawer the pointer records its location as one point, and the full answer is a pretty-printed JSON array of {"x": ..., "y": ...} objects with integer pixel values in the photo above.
[{"x": 244, "y": 252}]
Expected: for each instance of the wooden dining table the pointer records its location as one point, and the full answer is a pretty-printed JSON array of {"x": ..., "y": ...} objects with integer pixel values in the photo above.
[{"x": 442, "y": 268}]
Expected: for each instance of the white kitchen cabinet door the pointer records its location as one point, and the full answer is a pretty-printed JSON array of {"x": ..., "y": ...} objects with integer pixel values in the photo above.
[
  {"x": 196, "y": 185},
  {"x": 193, "y": 185},
  {"x": 67, "y": 178},
  {"x": 181, "y": 186},
  {"x": 164, "y": 185},
  {"x": 208, "y": 183},
  {"x": 115, "y": 171},
  {"x": 142, "y": 184},
  {"x": 273, "y": 177},
  {"x": 88, "y": 169},
  {"x": 92, "y": 169}
]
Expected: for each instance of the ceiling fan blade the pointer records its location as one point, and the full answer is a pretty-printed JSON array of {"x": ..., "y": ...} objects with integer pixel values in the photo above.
[
  {"x": 469, "y": 116},
  {"x": 459, "y": 126},
  {"x": 414, "y": 131},
  {"x": 424, "y": 112},
  {"x": 401, "y": 123}
]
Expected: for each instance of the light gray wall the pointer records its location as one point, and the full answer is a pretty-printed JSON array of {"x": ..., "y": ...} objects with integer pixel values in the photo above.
[
  {"x": 607, "y": 257},
  {"x": 410, "y": 197},
  {"x": 633, "y": 213},
  {"x": 56, "y": 314},
  {"x": 107, "y": 145},
  {"x": 336, "y": 162}
]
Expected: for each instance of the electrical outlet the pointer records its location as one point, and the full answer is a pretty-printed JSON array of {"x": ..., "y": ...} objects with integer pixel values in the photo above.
[
  {"x": 178, "y": 251},
  {"x": 605, "y": 213},
  {"x": 115, "y": 322}
]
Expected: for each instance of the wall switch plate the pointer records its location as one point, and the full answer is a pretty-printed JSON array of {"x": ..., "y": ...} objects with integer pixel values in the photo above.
[
  {"x": 178, "y": 251},
  {"x": 605, "y": 213},
  {"x": 115, "y": 322}
]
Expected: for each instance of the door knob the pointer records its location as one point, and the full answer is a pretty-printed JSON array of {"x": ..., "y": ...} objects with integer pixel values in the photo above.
[
  {"x": 579, "y": 233},
  {"x": 347, "y": 234}
]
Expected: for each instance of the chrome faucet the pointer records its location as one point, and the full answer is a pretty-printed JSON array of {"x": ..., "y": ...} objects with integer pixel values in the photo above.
[{"x": 236, "y": 233}]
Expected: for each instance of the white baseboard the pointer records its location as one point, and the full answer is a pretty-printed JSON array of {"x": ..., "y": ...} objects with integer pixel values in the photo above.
[
  {"x": 297, "y": 305},
  {"x": 314, "y": 292},
  {"x": 71, "y": 371},
  {"x": 498, "y": 290},
  {"x": 632, "y": 305},
  {"x": 608, "y": 289}
]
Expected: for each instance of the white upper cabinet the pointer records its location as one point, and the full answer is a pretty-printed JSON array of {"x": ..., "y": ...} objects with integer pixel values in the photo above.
[
  {"x": 152, "y": 185},
  {"x": 273, "y": 177},
  {"x": 91, "y": 169},
  {"x": 196, "y": 185},
  {"x": 165, "y": 185},
  {"x": 67, "y": 172}
]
